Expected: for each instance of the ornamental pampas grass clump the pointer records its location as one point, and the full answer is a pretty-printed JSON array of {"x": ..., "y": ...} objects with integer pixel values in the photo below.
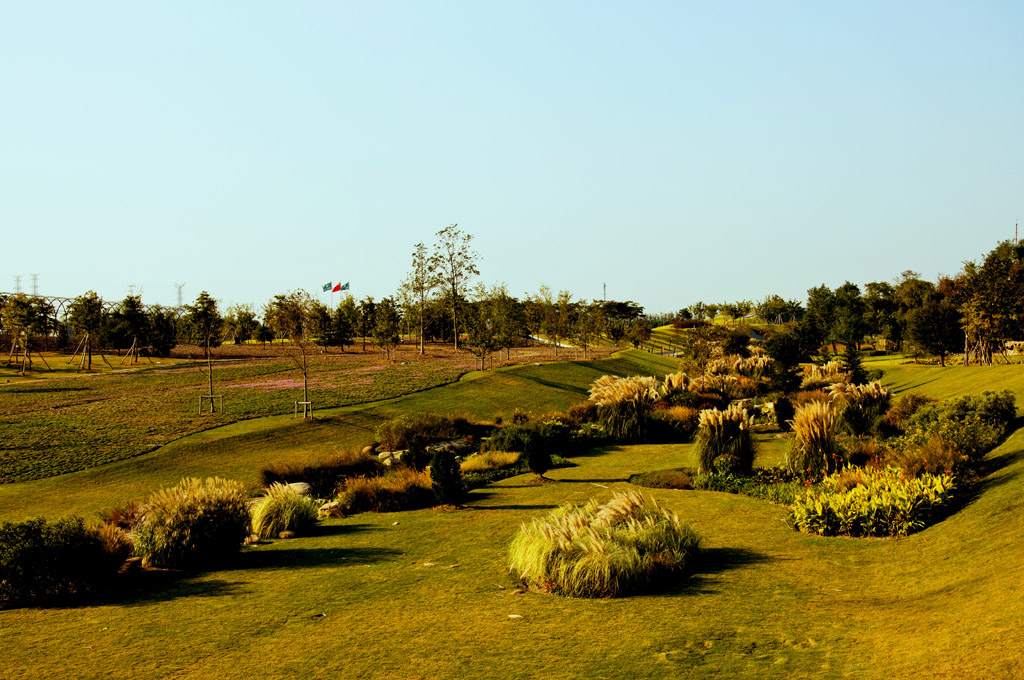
[
  {"x": 862, "y": 405},
  {"x": 725, "y": 433},
  {"x": 814, "y": 450},
  {"x": 624, "y": 403},
  {"x": 196, "y": 523},
  {"x": 602, "y": 550},
  {"x": 284, "y": 509},
  {"x": 818, "y": 377}
]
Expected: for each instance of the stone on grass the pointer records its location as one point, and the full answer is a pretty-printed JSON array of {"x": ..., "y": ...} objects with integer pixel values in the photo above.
[
  {"x": 332, "y": 509},
  {"x": 301, "y": 488}
]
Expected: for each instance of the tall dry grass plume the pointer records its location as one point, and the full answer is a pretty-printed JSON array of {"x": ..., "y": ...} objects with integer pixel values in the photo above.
[
  {"x": 815, "y": 450},
  {"x": 725, "y": 433},
  {"x": 602, "y": 550},
  {"x": 624, "y": 403}
]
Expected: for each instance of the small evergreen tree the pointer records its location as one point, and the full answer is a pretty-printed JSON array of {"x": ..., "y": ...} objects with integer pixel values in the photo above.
[
  {"x": 446, "y": 479},
  {"x": 852, "y": 364},
  {"x": 538, "y": 458}
]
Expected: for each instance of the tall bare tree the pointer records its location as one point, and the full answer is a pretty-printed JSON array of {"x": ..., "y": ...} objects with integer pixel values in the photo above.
[
  {"x": 419, "y": 283},
  {"x": 454, "y": 262}
]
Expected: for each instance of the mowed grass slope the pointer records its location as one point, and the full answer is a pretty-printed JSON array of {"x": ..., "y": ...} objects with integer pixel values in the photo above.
[
  {"x": 240, "y": 449},
  {"x": 426, "y": 594}
]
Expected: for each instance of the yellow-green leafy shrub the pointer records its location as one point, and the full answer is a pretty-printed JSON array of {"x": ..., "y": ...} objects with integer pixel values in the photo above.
[
  {"x": 602, "y": 550},
  {"x": 283, "y": 509},
  {"x": 878, "y": 503}
]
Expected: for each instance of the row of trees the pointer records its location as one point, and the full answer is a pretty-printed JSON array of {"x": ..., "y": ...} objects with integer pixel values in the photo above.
[{"x": 978, "y": 311}]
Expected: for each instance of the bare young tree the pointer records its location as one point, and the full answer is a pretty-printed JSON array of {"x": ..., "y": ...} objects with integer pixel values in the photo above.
[
  {"x": 419, "y": 283},
  {"x": 454, "y": 263}
]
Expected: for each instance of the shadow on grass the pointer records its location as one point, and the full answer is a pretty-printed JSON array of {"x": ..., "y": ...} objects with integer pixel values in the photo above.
[
  {"x": 35, "y": 389},
  {"x": 612, "y": 480},
  {"x": 485, "y": 495},
  {"x": 556, "y": 385},
  {"x": 339, "y": 529},
  {"x": 299, "y": 558},
  {"x": 714, "y": 561}
]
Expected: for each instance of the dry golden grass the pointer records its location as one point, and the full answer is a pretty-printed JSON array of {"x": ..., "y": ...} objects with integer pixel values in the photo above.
[{"x": 490, "y": 460}]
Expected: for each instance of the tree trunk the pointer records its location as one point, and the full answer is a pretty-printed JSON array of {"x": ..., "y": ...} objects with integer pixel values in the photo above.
[
  {"x": 209, "y": 370},
  {"x": 305, "y": 375}
]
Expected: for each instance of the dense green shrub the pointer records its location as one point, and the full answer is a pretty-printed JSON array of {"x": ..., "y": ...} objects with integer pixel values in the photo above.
[
  {"x": 536, "y": 441},
  {"x": 784, "y": 412},
  {"x": 899, "y": 414},
  {"x": 50, "y": 562},
  {"x": 446, "y": 479},
  {"x": 771, "y": 490},
  {"x": 602, "y": 550},
  {"x": 323, "y": 474},
  {"x": 727, "y": 464},
  {"x": 512, "y": 438},
  {"x": 400, "y": 489},
  {"x": 194, "y": 524},
  {"x": 283, "y": 509},
  {"x": 882, "y": 503},
  {"x": 971, "y": 424},
  {"x": 416, "y": 454},
  {"x": 725, "y": 433}
]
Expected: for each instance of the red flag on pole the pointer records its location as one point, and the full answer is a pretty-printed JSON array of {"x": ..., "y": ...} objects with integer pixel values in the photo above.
[{"x": 336, "y": 288}]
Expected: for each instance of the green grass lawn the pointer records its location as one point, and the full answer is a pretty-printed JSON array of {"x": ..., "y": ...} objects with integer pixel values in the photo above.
[
  {"x": 360, "y": 599},
  {"x": 55, "y": 426},
  {"x": 426, "y": 594}
]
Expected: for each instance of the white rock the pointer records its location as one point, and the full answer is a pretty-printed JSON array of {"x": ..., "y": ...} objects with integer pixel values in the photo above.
[{"x": 301, "y": 488}]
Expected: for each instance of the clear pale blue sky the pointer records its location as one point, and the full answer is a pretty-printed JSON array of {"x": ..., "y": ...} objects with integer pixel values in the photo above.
[{"x": 676, "y": 151}]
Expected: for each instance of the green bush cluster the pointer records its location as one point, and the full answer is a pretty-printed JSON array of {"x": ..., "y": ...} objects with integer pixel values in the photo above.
[
  {"x": 899, "y": 414},
  {"x": 971, "y": 424},
  {"x": 537, "y": 441},
  {"x": 194, "y": 524},
  {"x": 877, "y": 503},
  {"x": 446, "y": 479},
  {"x": 283, "y": 509},
  {"x": 45, "y": 562},
  {"x": 602, "y": 550},
  {"x": 767, "y": 489}
]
